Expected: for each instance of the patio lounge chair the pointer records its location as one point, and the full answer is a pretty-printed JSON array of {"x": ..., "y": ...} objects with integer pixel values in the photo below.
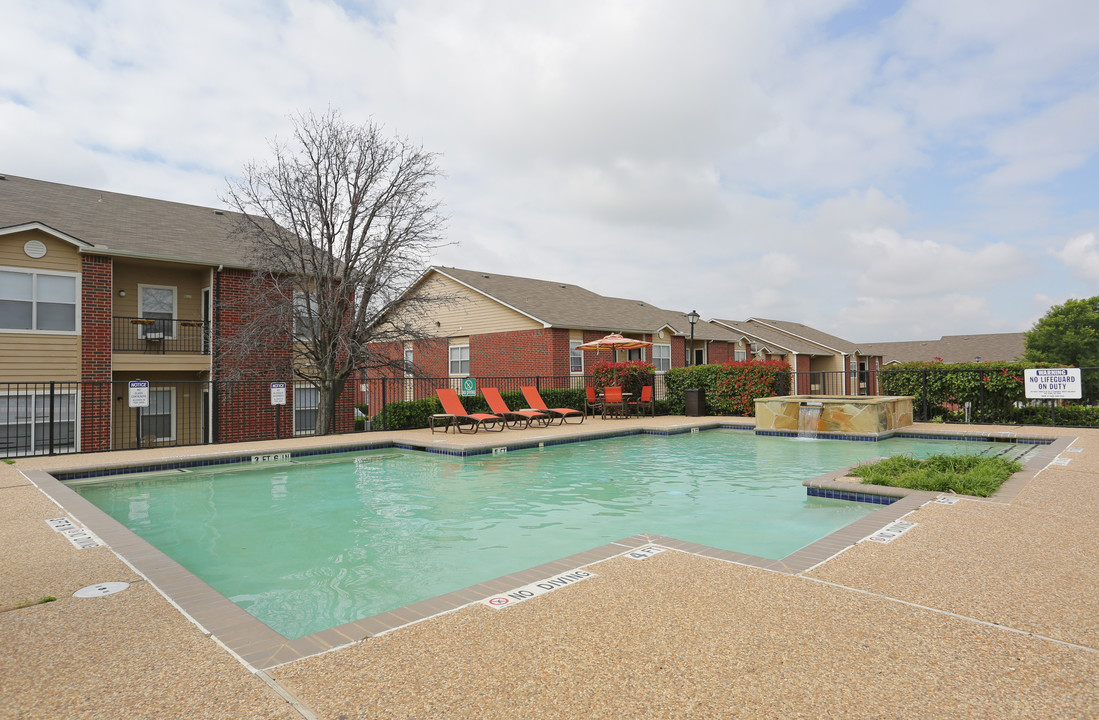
[
  {"x": 498, "y": 407},
  {"x": 645, "y": 401},
  {"x": 452, "y": 405},
  {"x": 534, "y": 399},
  {"x": 614, "y": 402}
]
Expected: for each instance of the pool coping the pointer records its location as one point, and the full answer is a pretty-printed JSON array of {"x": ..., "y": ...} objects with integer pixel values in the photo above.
[{"x": 260, "y": 648}]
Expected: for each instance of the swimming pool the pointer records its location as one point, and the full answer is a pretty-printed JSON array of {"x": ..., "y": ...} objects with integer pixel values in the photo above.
[{"x": 310, "y": 545}]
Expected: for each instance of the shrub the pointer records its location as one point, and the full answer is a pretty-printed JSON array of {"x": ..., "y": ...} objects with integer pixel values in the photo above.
[
  {"x": 995, "y": 389},
  {"x": 730, "y": 389},
  {"x": 965, "y": 474},
  {"x": 630, "y": 376}
]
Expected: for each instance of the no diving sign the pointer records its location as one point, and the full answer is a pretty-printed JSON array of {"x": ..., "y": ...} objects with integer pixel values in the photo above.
[{"x": 1053, "y": 384}]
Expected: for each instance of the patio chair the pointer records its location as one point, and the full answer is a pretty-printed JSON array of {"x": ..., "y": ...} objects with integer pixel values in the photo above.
[
  {"x": 593, "y": 404},
  {"x": 452, "y": 406},
  {"x": 614, "y": 402},
  {"x": 498, "y": 407},
  {"x": 534, "y": 399},
  {"x": 645, "y": 401}
]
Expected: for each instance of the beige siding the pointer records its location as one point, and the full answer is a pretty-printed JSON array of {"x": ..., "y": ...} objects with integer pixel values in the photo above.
[
  {"x": 60, "y": 255},
  {"x": 33, "y": 357},
  {"x": 30, "y": 356},
  {"x": 188, "y": 409},
  {"x": 188, "y": 283},
  {"x": 472, "y": 313}
]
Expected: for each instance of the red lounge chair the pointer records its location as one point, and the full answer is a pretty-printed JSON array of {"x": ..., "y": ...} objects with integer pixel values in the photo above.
[
  {"x": 614, "y": 402},
  {"x": 534, "y": 399},
  {"x": 646, "y": 400},
  {"x": 453, "y": 406},
  {"x": 497, "y": 405}
]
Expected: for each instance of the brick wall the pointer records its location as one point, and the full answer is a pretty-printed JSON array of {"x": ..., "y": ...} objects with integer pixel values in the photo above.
[
  {"x": 244, "y": 411},
  {"x": 520, "y": 353},
  {"x": 96, "y": 290}
]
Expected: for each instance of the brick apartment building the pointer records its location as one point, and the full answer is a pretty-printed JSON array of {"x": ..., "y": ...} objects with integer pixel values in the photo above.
[{"x": 98, "y": 289}]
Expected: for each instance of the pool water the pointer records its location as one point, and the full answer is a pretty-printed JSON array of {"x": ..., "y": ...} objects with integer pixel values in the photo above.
[{"x": 306, "y": 546}]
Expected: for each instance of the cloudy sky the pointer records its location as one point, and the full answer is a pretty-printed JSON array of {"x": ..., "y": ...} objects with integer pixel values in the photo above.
[{"x": 880, "y": 169}]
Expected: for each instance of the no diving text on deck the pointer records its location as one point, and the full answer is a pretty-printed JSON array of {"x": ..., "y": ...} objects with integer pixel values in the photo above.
[{"x": 535, "y": 589}]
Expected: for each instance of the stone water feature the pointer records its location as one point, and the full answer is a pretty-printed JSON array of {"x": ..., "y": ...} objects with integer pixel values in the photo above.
[{"x": 875, "y": 417}]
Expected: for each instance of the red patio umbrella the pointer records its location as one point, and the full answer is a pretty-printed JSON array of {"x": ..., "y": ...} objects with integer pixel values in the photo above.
[{"x": 613, "y": 342}]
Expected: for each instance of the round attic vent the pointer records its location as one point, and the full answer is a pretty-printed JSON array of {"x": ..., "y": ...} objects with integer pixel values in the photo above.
[{"x": 34, "y": 248}]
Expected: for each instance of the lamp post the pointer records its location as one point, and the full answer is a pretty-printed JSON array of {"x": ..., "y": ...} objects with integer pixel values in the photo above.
[{"x": 692, "y": 318}]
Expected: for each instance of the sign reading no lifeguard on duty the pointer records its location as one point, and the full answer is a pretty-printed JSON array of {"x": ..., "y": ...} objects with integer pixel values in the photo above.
[{"x": 1053, "y": 384}]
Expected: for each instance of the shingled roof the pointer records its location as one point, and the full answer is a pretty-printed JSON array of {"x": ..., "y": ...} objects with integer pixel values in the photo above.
[
  {"x": 127, "y": 225},
  {"x": 560, "y": 304},
  {"x": 952, "y": 348},
  {"x": 767, "y": 337}
]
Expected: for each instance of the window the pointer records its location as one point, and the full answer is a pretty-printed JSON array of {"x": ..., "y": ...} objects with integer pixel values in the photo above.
[
  {"x": 635, "y": 354},
  {"x": 158, "y": 420},
  {"x": 459, "y": 359},
  {"x": 662, "y": 357},
  {"x": 301, "y": 314},
  {"x": 700, "y": 356},
  {"x": 157, "y": 302},
  {"x": 740, "y": 354},
  {"x": 409, "y": 365},
  {"x": 25, "y": 423},
  {"x": 36, "y": 301},
  {"x": 576, "y": 357},
  {"x": 306, "y": 401}
]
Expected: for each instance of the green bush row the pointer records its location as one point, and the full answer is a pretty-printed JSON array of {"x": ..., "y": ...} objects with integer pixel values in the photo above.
[
  {"x": 729, "y": 389},
  {"x": 994, "y": 388}
]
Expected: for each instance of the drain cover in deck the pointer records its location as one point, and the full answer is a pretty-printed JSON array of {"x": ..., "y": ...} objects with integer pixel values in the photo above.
[{"x": 101, "y": 589}]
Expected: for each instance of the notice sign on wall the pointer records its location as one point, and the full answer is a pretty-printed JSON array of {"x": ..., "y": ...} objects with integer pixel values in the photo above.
[
  {"x": 278, "y": 393},
  {"x": 1054, "y": 384}
]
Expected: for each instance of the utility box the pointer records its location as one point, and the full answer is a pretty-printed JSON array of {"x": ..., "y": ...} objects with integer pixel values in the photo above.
[{"x": 696, "y": 402}]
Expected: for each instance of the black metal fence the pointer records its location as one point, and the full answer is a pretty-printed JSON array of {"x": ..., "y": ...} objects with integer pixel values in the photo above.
[{"x": 66, "y": 417}]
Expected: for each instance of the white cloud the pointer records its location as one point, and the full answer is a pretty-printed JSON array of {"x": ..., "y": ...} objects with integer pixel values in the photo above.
[
  {"x": 738, "y": 158},
  {"x": 1081, "y": 255}
]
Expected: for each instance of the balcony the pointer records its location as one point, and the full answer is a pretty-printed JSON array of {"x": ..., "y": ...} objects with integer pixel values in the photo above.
[
  {"x": 167, "y": 344},
  {"x": 160, "y": 337}
]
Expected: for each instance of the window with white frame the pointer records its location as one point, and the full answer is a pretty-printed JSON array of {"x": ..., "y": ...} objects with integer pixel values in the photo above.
[
  {"x": 25, "y": 423},
  {"x": 635, "y": 354},
  {"x": 662, "y": 357},
  {"x": 306, "y": 401},
  {"x": 459, "y": 360},
  {"x": 740, "y": 354},
  {"x": 576, "y": 357},
  {"x": 38, "y": 301},
  {"x": 409, "y": 363},
  {"x": 158, "y": 420},
  {"x": 158, "y": 303}
]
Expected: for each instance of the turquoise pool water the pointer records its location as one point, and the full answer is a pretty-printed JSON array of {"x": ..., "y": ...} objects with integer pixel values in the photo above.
[{"x": 311, "y": 545}]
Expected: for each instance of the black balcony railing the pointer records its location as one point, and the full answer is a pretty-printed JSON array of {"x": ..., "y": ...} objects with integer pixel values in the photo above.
[{"x": 160, "y": 336}]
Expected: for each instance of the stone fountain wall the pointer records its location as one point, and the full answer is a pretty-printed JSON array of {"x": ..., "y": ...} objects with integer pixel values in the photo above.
[{"x": 871, "y": 416}]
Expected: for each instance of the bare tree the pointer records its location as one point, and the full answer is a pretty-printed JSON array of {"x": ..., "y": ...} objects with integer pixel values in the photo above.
[{"x": 340, "y": 223}]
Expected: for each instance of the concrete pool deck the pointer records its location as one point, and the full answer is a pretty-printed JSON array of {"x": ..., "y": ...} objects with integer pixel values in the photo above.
[{"x": 984, "y": 609}]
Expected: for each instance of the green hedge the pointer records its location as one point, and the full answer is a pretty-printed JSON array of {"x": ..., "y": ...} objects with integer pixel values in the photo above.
[
  {"x": 414, "y": 414},
  {"x": 729, "y": 389},
  {"x": 993, "y": 387}
]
